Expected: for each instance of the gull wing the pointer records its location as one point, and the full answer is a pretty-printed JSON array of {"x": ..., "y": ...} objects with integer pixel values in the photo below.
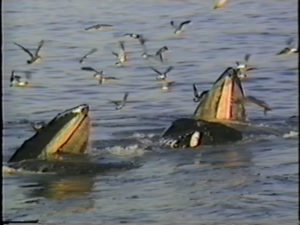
[
  {"x": 247, "y": 56},
  {"x": 172, "y": 24},
  {"x": 290, "y": 41},
  {"x": 93, "y": 50},
  {"x": 195, "y": 90},
  {"x": 122, "y": 45},
  {"x": 89, "y": 69},
  {"x": 12, "y": 75},
  {"x": 258, "y": 102},
  {"x": 125, "y": 97},
  {"x": 39, "y": 47},
  {"x": 24, "y": 49},
  {"x": 156, "y": 71},
  {"x": 168, "y": 69},
  {"x": 97, "y": 26},
  {"x": 184, "y": 23}
]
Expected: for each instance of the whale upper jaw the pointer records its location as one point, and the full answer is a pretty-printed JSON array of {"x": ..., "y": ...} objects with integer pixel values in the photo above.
[
  {"x": 68, "y": 132},
  {"x": 221, "y": 103}
]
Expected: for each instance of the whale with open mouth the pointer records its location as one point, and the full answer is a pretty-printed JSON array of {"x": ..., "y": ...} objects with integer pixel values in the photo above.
[
  {"x": 216, "y": 117},
  {"x": 59, "y": 146},
  {"x": 68, "y": 132}
]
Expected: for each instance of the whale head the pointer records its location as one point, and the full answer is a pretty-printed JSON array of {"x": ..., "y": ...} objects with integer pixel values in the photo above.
[{"x": 67, "y": 132}]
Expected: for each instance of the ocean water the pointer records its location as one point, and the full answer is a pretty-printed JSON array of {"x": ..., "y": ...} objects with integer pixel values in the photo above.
[{"x": 254, "y": 181}]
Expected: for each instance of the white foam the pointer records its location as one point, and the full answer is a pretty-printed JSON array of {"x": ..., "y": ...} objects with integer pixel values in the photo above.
[
  {"x": 11, "y": 171},
  {"x": 291, "y": 134},
  {"x": 8, "y": 170},
  {"x": 128, "y": 151},
  {"x": 141, "y": 135}
]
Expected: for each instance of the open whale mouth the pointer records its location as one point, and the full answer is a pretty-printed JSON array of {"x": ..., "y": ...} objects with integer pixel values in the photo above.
[
  {"x": 68, "y": 132},
  {"x": 221, "y": 102}
]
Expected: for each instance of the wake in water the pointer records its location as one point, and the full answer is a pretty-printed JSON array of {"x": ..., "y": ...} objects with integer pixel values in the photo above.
[{"x": 141, "y": 143}]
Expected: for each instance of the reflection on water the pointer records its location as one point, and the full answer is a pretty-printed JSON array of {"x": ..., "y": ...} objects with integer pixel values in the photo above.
[
  {"x": 61, "y": 188},
  {"x": 64, "y": 194},
  {"x": 227, "y": 158}
]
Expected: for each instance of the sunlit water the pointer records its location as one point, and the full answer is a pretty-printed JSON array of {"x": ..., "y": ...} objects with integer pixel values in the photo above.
[{"x": 250, "y": 182}]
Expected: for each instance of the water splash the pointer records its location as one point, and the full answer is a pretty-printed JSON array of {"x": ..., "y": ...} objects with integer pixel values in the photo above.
[
  {"x": 291, "y": 135},
  {"x": 128, "y": 151}
]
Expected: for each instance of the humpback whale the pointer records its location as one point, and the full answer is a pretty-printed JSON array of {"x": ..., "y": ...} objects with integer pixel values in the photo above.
[
  {"x": 60, "y": 147},
  {"x": 217, "y": 116}
]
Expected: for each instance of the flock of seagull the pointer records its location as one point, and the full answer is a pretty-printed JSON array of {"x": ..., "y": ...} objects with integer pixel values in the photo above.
[{"x": 122, "y": 58}]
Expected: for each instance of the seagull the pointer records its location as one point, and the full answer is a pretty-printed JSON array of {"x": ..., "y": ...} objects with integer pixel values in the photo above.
[
  {"x": 33, "y": 57},
  {"x": 93, "y": 50},
  {"x": 159, "y": 55},
  {"x": 162, "y": 76},
  {"x": 121, "y": 56},
  {"x": 138, "y": 37},
  {"x": 98, "y": 27},
  {"x": 241, "y": 74},
  {"x": 17, "y": 81},
  {"x": 133, "y": 35},
  {"x": 178, "y": 29},
  {"x": 197, "y": 95},
  {"x": 220, "y": 4},
  {"x": 245, "y": 66},
  {"x": 121, "y": 104},
  {"x": 99, "y": 75},
  {"x": 289, "y": 49}
]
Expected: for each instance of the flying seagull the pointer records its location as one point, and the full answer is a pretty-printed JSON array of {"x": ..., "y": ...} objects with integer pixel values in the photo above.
[
  {"x": 162, "y": 75},
  {"x": 245, "y": 66},
  {"x": 98, "y": 27},
  {"x": 121, "y": 56},
  {"x": 179, "y": 29},
  {"x": 197, "y": 95},
  {"x": 99, "y": 75},
  {"x": 121, "y": 104},
  {"x": 159, "y": 55},
  {"x": 93, "y": 50},
  {"x": 33, "y": 57},
  {"x": 290, "y": 48}
]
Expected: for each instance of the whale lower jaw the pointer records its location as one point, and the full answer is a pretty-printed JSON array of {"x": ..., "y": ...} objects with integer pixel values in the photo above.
[{"x": 190, "y": 133}]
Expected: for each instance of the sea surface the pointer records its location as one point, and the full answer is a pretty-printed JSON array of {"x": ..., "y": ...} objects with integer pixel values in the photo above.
[{"x": 254, "y": 181}]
